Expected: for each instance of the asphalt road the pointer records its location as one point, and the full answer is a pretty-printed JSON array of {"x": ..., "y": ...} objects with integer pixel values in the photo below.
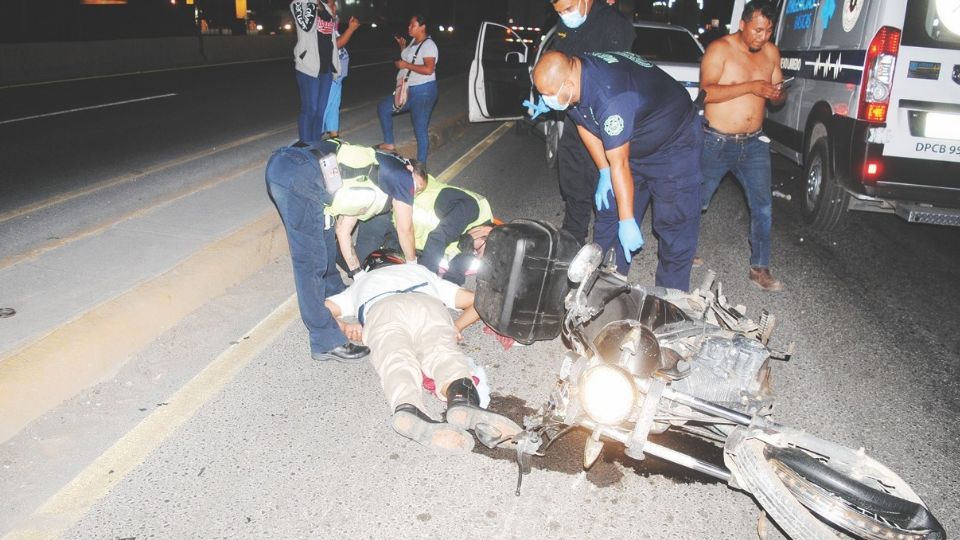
[
  {"x": 79, "y": 152},
  {"x": 284, "y": 447},
  {"x": 293, "y": 449}
]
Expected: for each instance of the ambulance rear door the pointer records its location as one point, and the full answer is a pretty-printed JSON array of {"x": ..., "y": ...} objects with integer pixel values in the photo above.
[{"x": 923, "y": 121}]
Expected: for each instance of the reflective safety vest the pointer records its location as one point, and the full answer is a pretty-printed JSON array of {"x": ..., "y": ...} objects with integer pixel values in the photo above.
[
  {"x": 425, "y": 218},
  {"x": 360, "y": 195}
]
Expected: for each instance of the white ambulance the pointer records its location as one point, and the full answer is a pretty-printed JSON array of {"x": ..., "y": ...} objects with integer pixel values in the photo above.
[{"x": 874, "y": 112}]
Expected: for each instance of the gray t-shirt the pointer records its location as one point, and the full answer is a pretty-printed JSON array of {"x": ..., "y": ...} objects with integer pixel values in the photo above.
[{"x": 429, "y": 50}]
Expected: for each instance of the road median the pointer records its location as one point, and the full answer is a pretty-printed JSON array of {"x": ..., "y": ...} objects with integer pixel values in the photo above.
[
  {"x": 91, "y": 347},
  {"x": 94, "y": 344}
]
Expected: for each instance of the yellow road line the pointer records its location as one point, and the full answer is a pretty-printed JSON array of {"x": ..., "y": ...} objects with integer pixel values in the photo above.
[
  {"x": 68, "y": 505},
  {"x": 91, "y": 347},
  {"x": 69, "y": 196},
  {"x": 74, "y": 500},
  {"x": 100, "y": 227},
  {"x": 461, "y": 164}
]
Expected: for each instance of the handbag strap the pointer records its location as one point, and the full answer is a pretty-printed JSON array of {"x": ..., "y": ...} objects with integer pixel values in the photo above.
[{"x": 415, "y": 54}]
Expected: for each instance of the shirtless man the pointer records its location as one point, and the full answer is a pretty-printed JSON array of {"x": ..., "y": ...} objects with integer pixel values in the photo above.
[{"x": 739, "y": 73}]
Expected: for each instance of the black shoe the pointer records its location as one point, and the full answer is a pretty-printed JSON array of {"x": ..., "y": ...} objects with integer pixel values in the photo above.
[
  {"x": 349, "y": 352},
  {"x": 414, "y": 424},
  {"x": 463, "y": 411}
]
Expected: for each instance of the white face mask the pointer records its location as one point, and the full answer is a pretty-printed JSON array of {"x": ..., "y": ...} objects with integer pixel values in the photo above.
[
  {"x": 574, "y": 18},
  {"x": 554, "y": 101}
]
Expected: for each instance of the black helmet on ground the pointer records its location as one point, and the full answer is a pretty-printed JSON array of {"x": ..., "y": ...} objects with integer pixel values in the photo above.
[{"x": 382, "y": 257}]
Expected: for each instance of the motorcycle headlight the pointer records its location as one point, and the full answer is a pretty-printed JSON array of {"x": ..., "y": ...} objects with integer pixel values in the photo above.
[{"x": 607, "y": 394}]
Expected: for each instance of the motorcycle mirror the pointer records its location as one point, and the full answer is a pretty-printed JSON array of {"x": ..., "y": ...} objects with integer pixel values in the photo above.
[{"x": 587, "y": 260}]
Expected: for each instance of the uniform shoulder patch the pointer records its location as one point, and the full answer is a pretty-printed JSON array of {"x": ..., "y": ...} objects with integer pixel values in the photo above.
[
  {"x": 613, "y": 125},
  {"x": 608, "y": 58},
  {"x": 635, "y": 58}
]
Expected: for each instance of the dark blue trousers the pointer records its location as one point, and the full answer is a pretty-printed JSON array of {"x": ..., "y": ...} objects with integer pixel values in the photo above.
[
  {"x": 293, "y": 182},
  {"x": 671, "y": 180}
]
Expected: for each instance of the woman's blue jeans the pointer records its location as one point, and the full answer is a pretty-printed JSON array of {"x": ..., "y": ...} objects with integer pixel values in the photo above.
[
  {"x": 293, "y": 182},
  {"x": 420, "y": 101},
  {"x": 747, "y": 157},
  {"x": 314, "y": 93},
  {"x": 331, "y": 117}
]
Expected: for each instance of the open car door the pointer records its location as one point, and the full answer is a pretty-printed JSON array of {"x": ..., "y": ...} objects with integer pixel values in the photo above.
[{"x": 499, "y": 77}]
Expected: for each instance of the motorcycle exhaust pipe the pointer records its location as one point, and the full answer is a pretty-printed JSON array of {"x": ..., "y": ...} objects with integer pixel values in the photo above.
[{"x": 663, "y": 452}]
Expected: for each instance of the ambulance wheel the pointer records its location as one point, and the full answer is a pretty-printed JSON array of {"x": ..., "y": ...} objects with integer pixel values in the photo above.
[{"x": 825, "y": 202}]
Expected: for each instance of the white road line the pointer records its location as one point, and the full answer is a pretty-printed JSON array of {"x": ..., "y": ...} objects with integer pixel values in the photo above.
[
  {"x": 65, "y": 508},
  {"x": 164, "y": 70},
  {"x": 78, "y": 109},
  {"x": 371, "y": 64}
]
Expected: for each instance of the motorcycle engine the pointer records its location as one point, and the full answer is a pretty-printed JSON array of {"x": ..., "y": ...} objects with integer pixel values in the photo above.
[{"x": 732, "y": 372}]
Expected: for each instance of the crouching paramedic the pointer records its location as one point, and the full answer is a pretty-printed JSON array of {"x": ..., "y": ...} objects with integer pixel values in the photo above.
[
  {"x": 368, "y": 186},
  {"x": 402, "y": 309},
  {"x": 450, "y": 225}
]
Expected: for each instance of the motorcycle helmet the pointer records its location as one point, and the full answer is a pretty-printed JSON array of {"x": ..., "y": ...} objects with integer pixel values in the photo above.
[{"x": 382, "y": 257}]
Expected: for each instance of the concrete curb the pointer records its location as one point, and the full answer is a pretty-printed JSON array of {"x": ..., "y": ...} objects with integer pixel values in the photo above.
[
  {"x": 445, "y": 130},
  {"x": 93, "y": 346},
  {"x": 90, "y": 348}
]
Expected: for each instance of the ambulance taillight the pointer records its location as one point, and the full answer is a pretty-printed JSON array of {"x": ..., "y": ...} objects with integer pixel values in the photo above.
[{"x": 877, "y": 80}]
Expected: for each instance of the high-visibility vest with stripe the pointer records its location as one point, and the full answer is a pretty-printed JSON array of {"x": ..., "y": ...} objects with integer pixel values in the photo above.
[
  {"x": 360, "y": 195},
  {"x": 425, "y": 218}
]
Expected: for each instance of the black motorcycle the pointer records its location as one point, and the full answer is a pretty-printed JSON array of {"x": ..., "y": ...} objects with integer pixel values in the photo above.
[{"x": 644, "y": 360}]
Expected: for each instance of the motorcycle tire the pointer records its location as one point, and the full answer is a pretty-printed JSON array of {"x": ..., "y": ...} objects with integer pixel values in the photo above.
[{"x": 802, "y": 492}]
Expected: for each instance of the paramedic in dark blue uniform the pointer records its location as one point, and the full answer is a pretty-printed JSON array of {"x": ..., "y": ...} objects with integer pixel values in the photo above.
[
  {"x": 645, "y": 136},
  {"x": 584, "y": 26}
]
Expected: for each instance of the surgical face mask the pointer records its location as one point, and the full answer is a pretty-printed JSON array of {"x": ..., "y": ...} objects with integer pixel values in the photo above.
[
  {"x": 573, "y": 19},
  {"x": 554, "y": 101}
]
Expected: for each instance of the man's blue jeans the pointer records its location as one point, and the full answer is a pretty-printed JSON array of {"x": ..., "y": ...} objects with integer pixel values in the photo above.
[
  {"x": 293, "y": 182},
  {"x": 747, "y": 157},
  {"x": 314, "y": 94},
  {"x": 420, "y": 101}
]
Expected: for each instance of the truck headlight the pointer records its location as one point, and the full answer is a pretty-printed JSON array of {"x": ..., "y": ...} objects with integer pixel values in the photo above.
[{"x": 607, "y": 394}]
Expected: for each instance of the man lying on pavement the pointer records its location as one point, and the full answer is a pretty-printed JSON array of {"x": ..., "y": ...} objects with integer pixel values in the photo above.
[{"x": 402, "y": 309}]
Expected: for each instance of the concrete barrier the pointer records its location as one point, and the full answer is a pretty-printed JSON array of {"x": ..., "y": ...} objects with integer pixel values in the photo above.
[{"x": 24, "y": 63}]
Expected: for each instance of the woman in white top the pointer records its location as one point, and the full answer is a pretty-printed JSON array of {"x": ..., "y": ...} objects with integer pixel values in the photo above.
[{"x": 418, "y": 61}]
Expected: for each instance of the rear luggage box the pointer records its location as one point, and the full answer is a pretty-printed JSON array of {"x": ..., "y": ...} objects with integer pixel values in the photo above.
[{"x": 523, "y": 281}]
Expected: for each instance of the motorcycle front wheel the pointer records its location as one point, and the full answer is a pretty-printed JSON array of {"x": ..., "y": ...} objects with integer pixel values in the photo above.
[{"x": 805, "y": 483}]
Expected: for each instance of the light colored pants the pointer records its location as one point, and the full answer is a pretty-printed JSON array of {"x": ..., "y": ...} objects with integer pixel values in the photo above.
[{"x": 409, "y": 334}]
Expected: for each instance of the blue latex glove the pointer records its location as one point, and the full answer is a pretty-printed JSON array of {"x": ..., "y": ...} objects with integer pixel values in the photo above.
[
  {"x": 631, "y": 239},
  {"x": 538, "y": 109},
  {"x": 604, "y": 189}
]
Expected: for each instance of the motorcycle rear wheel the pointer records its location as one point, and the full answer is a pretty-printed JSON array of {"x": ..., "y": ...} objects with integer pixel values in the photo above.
[{"x": 799, "y": 486}]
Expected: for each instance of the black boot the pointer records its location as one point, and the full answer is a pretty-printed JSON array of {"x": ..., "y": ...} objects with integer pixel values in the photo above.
[
  {"x": 462, "y": 391},
  {"x": 416, "y": 425},
  {"x": 463, "y": 411}
]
